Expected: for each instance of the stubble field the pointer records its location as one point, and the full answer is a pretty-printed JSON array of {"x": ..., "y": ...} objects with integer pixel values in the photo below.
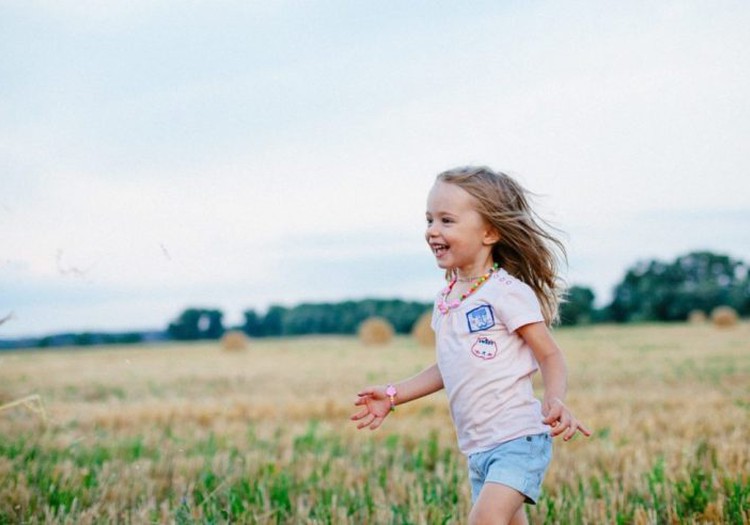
[{"x": 192, "y": 434}]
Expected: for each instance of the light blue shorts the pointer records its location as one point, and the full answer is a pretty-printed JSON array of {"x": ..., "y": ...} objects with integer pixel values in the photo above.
[{"x": 519, "y": 463}]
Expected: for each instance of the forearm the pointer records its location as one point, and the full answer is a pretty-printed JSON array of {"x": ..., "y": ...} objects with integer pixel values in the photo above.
[
  {"x": 550, "y": 359},
  {"x": 424, "y": 383},
  {"x": 555, "y": 376}
]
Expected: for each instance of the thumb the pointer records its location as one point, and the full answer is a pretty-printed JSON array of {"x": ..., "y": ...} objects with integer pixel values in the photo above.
[{"x": 368, "y": 391}]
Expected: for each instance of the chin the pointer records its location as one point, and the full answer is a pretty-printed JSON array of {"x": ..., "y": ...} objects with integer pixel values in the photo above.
[{"x": 443, "y": 265}]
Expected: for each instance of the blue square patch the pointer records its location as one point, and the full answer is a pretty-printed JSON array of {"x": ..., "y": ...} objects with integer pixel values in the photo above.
[{"x": 480, "y": 318}]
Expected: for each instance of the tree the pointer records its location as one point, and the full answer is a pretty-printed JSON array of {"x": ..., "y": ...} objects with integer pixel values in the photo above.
[
  {"x": 197, "y": 323},
  {"x": 655, "y": 290},
  {"x": 578, "y": 306},
  {"x": 253, "y": 325},
  {"x": 331, "y": 318},
  {"x": 273, "y": 322}
]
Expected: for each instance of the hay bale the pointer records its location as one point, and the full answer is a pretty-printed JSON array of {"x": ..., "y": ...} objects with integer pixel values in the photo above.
[
  {"x": 376, "y": 331},
  {"x": 234, "y": 341},
  {"x": 423, "y": 332},
  {"x": 724, "y": 316},
  {"x": 697, "y": 317}
]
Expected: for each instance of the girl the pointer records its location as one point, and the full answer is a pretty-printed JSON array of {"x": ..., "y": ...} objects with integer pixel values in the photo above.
[{"x": 491, "y": 323}]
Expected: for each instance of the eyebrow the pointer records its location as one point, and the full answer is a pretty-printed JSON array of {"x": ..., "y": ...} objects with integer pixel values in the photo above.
[{"x": 442, "y": 213}]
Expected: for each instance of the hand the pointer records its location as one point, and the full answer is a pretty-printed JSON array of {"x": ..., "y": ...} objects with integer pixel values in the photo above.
[
  {"x": 561, "y": 419},
  {"x": 376, "y": 405}
]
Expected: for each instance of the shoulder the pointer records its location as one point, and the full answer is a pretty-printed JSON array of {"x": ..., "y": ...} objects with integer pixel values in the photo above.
[
  {"x": 515, "y": 301},
  {"x": 505, "y": 284}
]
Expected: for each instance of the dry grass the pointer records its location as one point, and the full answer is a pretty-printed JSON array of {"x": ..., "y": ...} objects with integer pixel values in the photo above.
[
  {"x": 32, "y": 403},
  {"x": 664, "y": 401}
]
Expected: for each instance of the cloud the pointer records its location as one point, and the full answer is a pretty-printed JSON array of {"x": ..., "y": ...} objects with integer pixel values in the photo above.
[{"x": 245, "y": 153}]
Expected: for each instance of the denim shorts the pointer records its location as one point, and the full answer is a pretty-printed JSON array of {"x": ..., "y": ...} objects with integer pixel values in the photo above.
[{"x": 519, "y": 463}]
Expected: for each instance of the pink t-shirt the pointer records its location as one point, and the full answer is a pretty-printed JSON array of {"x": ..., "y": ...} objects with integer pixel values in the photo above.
[{"x": 487, "y": 367}]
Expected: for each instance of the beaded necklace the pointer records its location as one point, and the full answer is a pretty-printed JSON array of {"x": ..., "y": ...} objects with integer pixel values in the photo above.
[{"x": 445, "y": 306}]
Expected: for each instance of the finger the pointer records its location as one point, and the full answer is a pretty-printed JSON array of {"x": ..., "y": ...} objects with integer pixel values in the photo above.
[
  {"x": 570, "y": 432},
  {"x": 374, "y": 422},
  {"x": 558, "y": 429},
  {"x": 575, "y": 427},
  {"x": 363, "y": 424},
  {"x": 584, "y": 429},
  {"x": 361, "y": 400},
  {"x": 562, "y": 425},
  {"x": 359, "y": 415},
  {"x": 366, "y": 392},
  {"x": 557, "y": 425}
]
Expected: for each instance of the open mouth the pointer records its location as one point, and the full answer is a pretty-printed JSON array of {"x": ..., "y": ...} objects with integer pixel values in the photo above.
[{"x": 439, "y": 249}]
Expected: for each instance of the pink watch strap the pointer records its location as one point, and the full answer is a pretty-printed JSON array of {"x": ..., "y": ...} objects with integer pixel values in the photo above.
[{"x": 391, "y": 392}]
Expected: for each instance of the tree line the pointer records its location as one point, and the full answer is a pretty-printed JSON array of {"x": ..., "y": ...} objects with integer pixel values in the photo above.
[
  {"x": 304, "y": 319},
  {"x": 667, "y": 291},
  {"x": 651, "y": 290}
]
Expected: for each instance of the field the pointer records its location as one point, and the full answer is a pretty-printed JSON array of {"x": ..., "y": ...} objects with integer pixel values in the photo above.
[{"x": 194, "y": 434}]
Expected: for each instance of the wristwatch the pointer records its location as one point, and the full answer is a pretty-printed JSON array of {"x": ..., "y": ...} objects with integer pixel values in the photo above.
[{"x": 391, "y": 392}]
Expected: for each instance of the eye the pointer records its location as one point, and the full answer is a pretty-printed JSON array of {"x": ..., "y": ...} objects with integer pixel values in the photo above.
[{"x": 447, "y": 220}]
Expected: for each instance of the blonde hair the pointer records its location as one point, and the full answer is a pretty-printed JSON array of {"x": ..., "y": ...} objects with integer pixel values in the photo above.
[{"x": 526, "y": 249}]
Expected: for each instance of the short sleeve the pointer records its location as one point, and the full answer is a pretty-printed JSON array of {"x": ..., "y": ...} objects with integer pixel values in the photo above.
[{"x": 517, "y": 304}]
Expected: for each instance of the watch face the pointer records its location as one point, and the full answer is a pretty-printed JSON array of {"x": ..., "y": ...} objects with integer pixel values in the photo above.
[{"x": 391, "y": 390}]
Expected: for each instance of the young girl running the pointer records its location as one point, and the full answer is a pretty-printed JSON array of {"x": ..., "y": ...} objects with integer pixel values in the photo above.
[{"x": 491, "y": 323}]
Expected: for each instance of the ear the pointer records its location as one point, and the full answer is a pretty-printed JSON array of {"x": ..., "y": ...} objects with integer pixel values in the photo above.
[{"x": 491, "y": 236}]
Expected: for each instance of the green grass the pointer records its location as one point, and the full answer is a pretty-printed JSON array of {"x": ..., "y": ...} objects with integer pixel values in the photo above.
[
  {"x": 311, "y": 482},
  {"x": 323, "y": 478}
]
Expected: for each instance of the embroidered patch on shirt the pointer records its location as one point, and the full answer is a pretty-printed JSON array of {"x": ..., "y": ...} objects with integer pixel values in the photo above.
[
  {"x": 484, "y": 348},
  {"x": 480, "y": 318}
]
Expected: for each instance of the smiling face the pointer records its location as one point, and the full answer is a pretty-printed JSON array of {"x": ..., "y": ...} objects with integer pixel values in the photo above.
[{"x": 458, "y": 235}]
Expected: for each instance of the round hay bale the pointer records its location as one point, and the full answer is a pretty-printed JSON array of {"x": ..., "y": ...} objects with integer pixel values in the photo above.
[
  {"x": 423, "y": 332},
  {"x": 697, "y": 317},
  {"x": 376, "y": 331},
  {"x": 724, "y": 316},
  {"x": 234, "y": 341}
]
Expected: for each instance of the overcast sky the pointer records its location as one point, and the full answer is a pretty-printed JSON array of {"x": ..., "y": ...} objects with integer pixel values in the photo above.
[{"x": 160, "y": 154}]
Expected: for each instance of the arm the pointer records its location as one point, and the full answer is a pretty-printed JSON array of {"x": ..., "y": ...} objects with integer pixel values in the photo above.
[
  {"x": 376, "y": 405},
  {"x": 554, "y": 374}
]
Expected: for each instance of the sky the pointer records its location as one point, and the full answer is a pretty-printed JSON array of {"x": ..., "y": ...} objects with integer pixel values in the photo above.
[{"x": 156, "y": 155}]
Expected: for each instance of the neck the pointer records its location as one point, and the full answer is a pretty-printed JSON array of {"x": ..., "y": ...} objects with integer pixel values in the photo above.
[{"x": 467, "y": 277}]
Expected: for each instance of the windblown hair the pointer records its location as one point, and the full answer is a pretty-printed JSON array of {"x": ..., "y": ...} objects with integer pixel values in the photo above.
[{"x": 526, "y": 249}]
